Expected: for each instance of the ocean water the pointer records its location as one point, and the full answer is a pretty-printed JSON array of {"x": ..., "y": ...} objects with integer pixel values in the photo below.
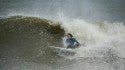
[{"x": 25, "y": 45}]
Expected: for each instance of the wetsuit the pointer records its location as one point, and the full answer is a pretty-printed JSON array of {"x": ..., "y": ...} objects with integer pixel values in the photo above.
[{"x": 70, "y": 42}]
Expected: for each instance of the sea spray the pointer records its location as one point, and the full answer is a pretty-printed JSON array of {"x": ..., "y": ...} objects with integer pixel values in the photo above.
[{"x": 98, "y": 37}]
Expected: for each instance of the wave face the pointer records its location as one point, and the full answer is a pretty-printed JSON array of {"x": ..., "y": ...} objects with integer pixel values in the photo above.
[
  {"x": 25, "y": 41},
  {"x": 27, "y": 38}
]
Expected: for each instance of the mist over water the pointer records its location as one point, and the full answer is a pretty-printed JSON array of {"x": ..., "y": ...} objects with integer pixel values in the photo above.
[
  {"x": 94, "y": 10},
  {"x": 26, "y": 46}
]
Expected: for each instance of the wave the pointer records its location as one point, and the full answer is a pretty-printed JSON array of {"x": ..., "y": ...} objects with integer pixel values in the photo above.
[
  {"x": 25, "y": 40},
  {"x": 29, "y": 37}
]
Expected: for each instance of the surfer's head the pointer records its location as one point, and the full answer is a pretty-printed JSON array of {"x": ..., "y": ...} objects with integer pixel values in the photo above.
[{"x": 69, "y": 35}]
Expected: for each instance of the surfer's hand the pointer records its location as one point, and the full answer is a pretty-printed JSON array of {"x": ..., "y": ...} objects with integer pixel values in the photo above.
[{"x": 77, "y": 44}]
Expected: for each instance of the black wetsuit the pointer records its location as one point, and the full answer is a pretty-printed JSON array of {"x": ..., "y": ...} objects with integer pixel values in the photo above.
[{"x": 70, "y": 42}]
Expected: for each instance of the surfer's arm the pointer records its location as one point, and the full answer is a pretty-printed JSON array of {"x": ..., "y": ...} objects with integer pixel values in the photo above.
[
  {"x": 75, "y": 40},
  {"x": 77, "y": 43}
]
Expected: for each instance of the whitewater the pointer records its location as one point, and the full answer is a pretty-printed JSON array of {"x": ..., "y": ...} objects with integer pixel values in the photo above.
[
  {"x": 102, "y": 44},
  {"x": 98, "y": 35}
]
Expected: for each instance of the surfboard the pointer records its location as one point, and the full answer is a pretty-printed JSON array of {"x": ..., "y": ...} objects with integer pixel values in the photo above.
[{"x": 63, "y": 51}]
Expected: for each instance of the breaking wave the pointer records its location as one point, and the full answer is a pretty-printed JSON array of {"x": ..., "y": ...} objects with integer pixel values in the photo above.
[{"x": 25, "y": 41}]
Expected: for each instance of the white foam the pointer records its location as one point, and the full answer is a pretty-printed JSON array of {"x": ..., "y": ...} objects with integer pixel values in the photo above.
[{"x": 96, "y": 37}]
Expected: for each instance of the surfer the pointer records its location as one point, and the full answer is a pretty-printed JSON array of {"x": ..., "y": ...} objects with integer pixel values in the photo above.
[{"x": 71, "y": 42}]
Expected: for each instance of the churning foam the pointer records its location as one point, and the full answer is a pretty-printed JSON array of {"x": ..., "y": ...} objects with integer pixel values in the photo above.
[{"x": 96, "y": 38}]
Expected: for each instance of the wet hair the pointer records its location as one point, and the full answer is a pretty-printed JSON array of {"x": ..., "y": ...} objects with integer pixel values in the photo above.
[{"x": 70, "y": 34}]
